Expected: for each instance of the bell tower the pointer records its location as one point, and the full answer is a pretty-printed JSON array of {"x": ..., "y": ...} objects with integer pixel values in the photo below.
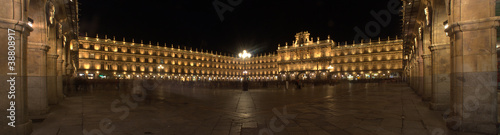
[{"x": 301, "y": 38}]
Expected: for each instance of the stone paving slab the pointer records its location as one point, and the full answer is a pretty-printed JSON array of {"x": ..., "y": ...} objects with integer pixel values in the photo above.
[{"x": 343, "y": 109}]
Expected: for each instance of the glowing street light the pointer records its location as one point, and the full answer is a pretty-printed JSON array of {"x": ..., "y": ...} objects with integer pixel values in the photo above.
[{"x": 245, "y": 55}]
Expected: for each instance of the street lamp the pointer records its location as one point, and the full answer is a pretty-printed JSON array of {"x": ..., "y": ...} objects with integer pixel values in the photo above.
[
  {"x": 245, "y": 55},
  {"x": 160, "y": 68}
]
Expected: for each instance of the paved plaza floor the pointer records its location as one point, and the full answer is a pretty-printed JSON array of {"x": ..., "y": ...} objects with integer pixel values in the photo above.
[{"x": 342, "y": 109}]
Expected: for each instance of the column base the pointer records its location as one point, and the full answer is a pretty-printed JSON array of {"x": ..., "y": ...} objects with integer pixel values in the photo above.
[
  {"x": 25, "y": 128},
  {"x": 490, "y": 129},
  {"x": 39, "y": 114},
  {"x": 439, "y": 106},
  {"x": 20, "y": 129},
  {"x": 60, "y": 93}
]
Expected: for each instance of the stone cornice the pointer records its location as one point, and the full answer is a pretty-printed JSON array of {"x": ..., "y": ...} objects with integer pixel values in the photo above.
[
  {"x": 53, "y": 56},
  {"x": 426, "y": 56},
  {"x": 470, "y": 25},
  {"x": 38, "y": 46},
  {"x": 7, "y": 23},
  {"x": 435, "y": 47}
]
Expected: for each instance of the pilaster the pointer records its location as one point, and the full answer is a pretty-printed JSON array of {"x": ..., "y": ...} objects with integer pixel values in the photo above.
[
  {"x": 52, "y": 78},
  {"x": 441, "y": 65},
  {"x": 474, "y": 66},
  {"x": 13, "y": 20},
  {"x": 38, "y": 106},
  {"x": 427, "y": 78}
]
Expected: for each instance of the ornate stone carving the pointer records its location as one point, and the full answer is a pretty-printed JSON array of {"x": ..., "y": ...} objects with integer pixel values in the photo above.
[
  {"x": 51, "y": 12},
  {"x": 59, "y": 30}
]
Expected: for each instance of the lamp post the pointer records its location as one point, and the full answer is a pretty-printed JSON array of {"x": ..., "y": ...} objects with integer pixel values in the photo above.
[
  {"x": 245, "y": 55},
  {"x": 160, "y": 68}
]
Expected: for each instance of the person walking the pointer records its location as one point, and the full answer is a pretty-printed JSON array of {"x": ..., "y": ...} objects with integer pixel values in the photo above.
[{"x": 297, "y": 82}]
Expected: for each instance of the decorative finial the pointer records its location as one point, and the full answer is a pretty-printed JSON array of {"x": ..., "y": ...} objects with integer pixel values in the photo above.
[
  {"x": 123, "y": 39},
  {"x": 113, "y": 37},
  {"x": 133, "y": 40},
  {"x": 142, "y": 42},
  {"x": 105, "y": 36},
  {"x": 86, "y": 34},
  {"x": 96, "y": 35}
]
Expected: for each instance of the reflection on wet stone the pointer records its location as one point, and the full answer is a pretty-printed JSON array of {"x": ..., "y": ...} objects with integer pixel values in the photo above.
[{"x": 369, "y": 108}]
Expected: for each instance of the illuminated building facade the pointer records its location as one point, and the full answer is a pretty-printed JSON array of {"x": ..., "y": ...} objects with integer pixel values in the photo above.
[
  {"x": 322, "y": 59},
  {"x": 108, "y": 58}
]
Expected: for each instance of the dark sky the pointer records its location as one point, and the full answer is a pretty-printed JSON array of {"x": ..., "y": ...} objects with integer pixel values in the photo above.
[{"x": 256, "y": 25}]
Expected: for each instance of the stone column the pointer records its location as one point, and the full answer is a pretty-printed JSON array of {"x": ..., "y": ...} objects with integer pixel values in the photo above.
[
  {"x": 60, "y": 77},
  {"x": 38, "y": 106},
  {"x": 474, "y": 66},
  {"x": 427, "y": 78},
  {"x": 427, "y": 64},
  {"x": 440, "y": 51},
  {"x": 420, "y": 76},
  {"x": 51, "y": 79},
  {"x": 413, "y": 75},
  {"x": 52, "y": 65},
  {"x": 440, "y": 99},
  {"x": 13, "y": 21}
]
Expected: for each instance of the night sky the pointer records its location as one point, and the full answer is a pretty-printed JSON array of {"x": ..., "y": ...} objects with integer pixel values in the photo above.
[{"x": 256, "y": 25}]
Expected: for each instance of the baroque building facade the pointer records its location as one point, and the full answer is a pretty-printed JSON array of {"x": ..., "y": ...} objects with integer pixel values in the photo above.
[
  {"x": 108, "y": 58},
  {"x": 322, "y": 59}
]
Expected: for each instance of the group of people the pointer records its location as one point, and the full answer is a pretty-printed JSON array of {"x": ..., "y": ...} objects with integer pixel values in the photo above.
[
  {"x": 80, "y": 84},
  {"x": 75, "y": 85}
]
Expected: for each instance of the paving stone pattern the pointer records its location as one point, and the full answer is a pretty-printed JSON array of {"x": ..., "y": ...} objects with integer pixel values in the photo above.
[{"x": 342, "y": 109}]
